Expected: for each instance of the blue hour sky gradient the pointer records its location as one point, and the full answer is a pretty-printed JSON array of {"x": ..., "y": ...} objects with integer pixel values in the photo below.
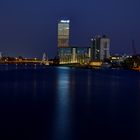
[{"x": 29, "y": 27}]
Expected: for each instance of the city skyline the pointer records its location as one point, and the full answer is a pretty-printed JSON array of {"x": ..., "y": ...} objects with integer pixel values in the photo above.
[{"x": 29, "y": 28}]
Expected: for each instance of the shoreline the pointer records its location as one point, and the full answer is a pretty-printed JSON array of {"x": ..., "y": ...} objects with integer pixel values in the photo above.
[{"x": 67, "y": 65}]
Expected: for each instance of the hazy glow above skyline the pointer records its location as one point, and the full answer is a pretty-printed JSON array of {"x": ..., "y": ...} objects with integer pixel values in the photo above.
[{"x": 29, "y": 27}]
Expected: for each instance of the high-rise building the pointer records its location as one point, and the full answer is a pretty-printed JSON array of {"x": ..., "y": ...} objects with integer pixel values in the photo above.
[
  {"x": 100, "y": 48},
  {"x": 63, "y": 33},
  {"x": 95, "y": 48},
  {"x": 104, "y": 48}
]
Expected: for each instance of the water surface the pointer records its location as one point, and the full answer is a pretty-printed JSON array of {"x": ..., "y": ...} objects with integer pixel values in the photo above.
[{"x": 62, "y": 103}]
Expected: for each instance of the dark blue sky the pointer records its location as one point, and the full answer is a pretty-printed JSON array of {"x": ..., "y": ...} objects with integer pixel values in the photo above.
[{"x": 29, "y": 27}]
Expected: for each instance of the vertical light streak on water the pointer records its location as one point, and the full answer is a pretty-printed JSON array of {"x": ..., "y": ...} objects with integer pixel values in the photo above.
[
  {"x": 88, "y": 88},
  {"x": 61, "y": 127}
]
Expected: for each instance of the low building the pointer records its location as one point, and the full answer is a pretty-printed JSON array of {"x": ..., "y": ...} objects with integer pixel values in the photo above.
[{"x": 71, "y": 55}]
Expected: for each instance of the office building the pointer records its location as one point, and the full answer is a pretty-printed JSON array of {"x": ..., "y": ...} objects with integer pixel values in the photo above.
[
  {"x": 63, "y": 33},
  {"x": 71, "y": 55},
  {"x": 104, "y": 48},
  {"x": 100, "y": 49}
]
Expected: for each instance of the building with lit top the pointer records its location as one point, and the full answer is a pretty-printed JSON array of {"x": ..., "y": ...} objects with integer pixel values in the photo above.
[
  {"x": 68, "y": 54},
  {"x": 63, "y": 33}
]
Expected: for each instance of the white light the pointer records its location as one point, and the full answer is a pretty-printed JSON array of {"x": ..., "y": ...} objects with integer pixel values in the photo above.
[{"x": 65, "y": 21}]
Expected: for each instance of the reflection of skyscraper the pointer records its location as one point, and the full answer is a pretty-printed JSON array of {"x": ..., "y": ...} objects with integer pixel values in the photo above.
[{"x": 63, "y": 33}]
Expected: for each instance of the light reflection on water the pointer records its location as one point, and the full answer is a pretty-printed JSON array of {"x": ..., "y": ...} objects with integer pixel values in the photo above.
[
  {"x": 62, "y": 103},
  {"x": 61, "y": 124}
]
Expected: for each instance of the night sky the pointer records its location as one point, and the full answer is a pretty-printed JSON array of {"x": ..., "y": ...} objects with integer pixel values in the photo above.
[{"x": 29, "y": 27}]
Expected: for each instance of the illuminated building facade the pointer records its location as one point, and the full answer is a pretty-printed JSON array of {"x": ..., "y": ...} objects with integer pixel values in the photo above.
[
  {"x": 95, "y": 48},
  {"x": 104, "y": 48},
  {"x": 71, "y": 55},
  {"x": 100, "y": 48},
  {"x": 63, "y": 33},
  {"x": 99, "y": 51}
]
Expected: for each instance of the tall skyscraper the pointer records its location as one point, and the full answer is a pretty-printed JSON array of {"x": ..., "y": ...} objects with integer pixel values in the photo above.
[
  {"x": 63, "y": 33},
  {"x": 95, "y": 48},
  {"x": 100, "y": 48},
  {"x": 104, "y": 48}
]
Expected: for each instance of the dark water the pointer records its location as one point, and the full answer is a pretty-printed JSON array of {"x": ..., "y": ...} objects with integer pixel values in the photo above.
[{"x": 60, "y": 103}]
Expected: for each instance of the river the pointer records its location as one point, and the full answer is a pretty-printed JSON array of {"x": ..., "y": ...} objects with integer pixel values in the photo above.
[{"x": 62, "y": 103}]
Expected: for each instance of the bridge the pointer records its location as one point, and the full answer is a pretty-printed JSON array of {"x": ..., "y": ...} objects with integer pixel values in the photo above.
[{"x": 25, "y": 62}]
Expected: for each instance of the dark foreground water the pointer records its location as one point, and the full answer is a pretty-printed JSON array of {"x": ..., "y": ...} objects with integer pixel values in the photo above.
[{"x": 60, "y": 103}]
